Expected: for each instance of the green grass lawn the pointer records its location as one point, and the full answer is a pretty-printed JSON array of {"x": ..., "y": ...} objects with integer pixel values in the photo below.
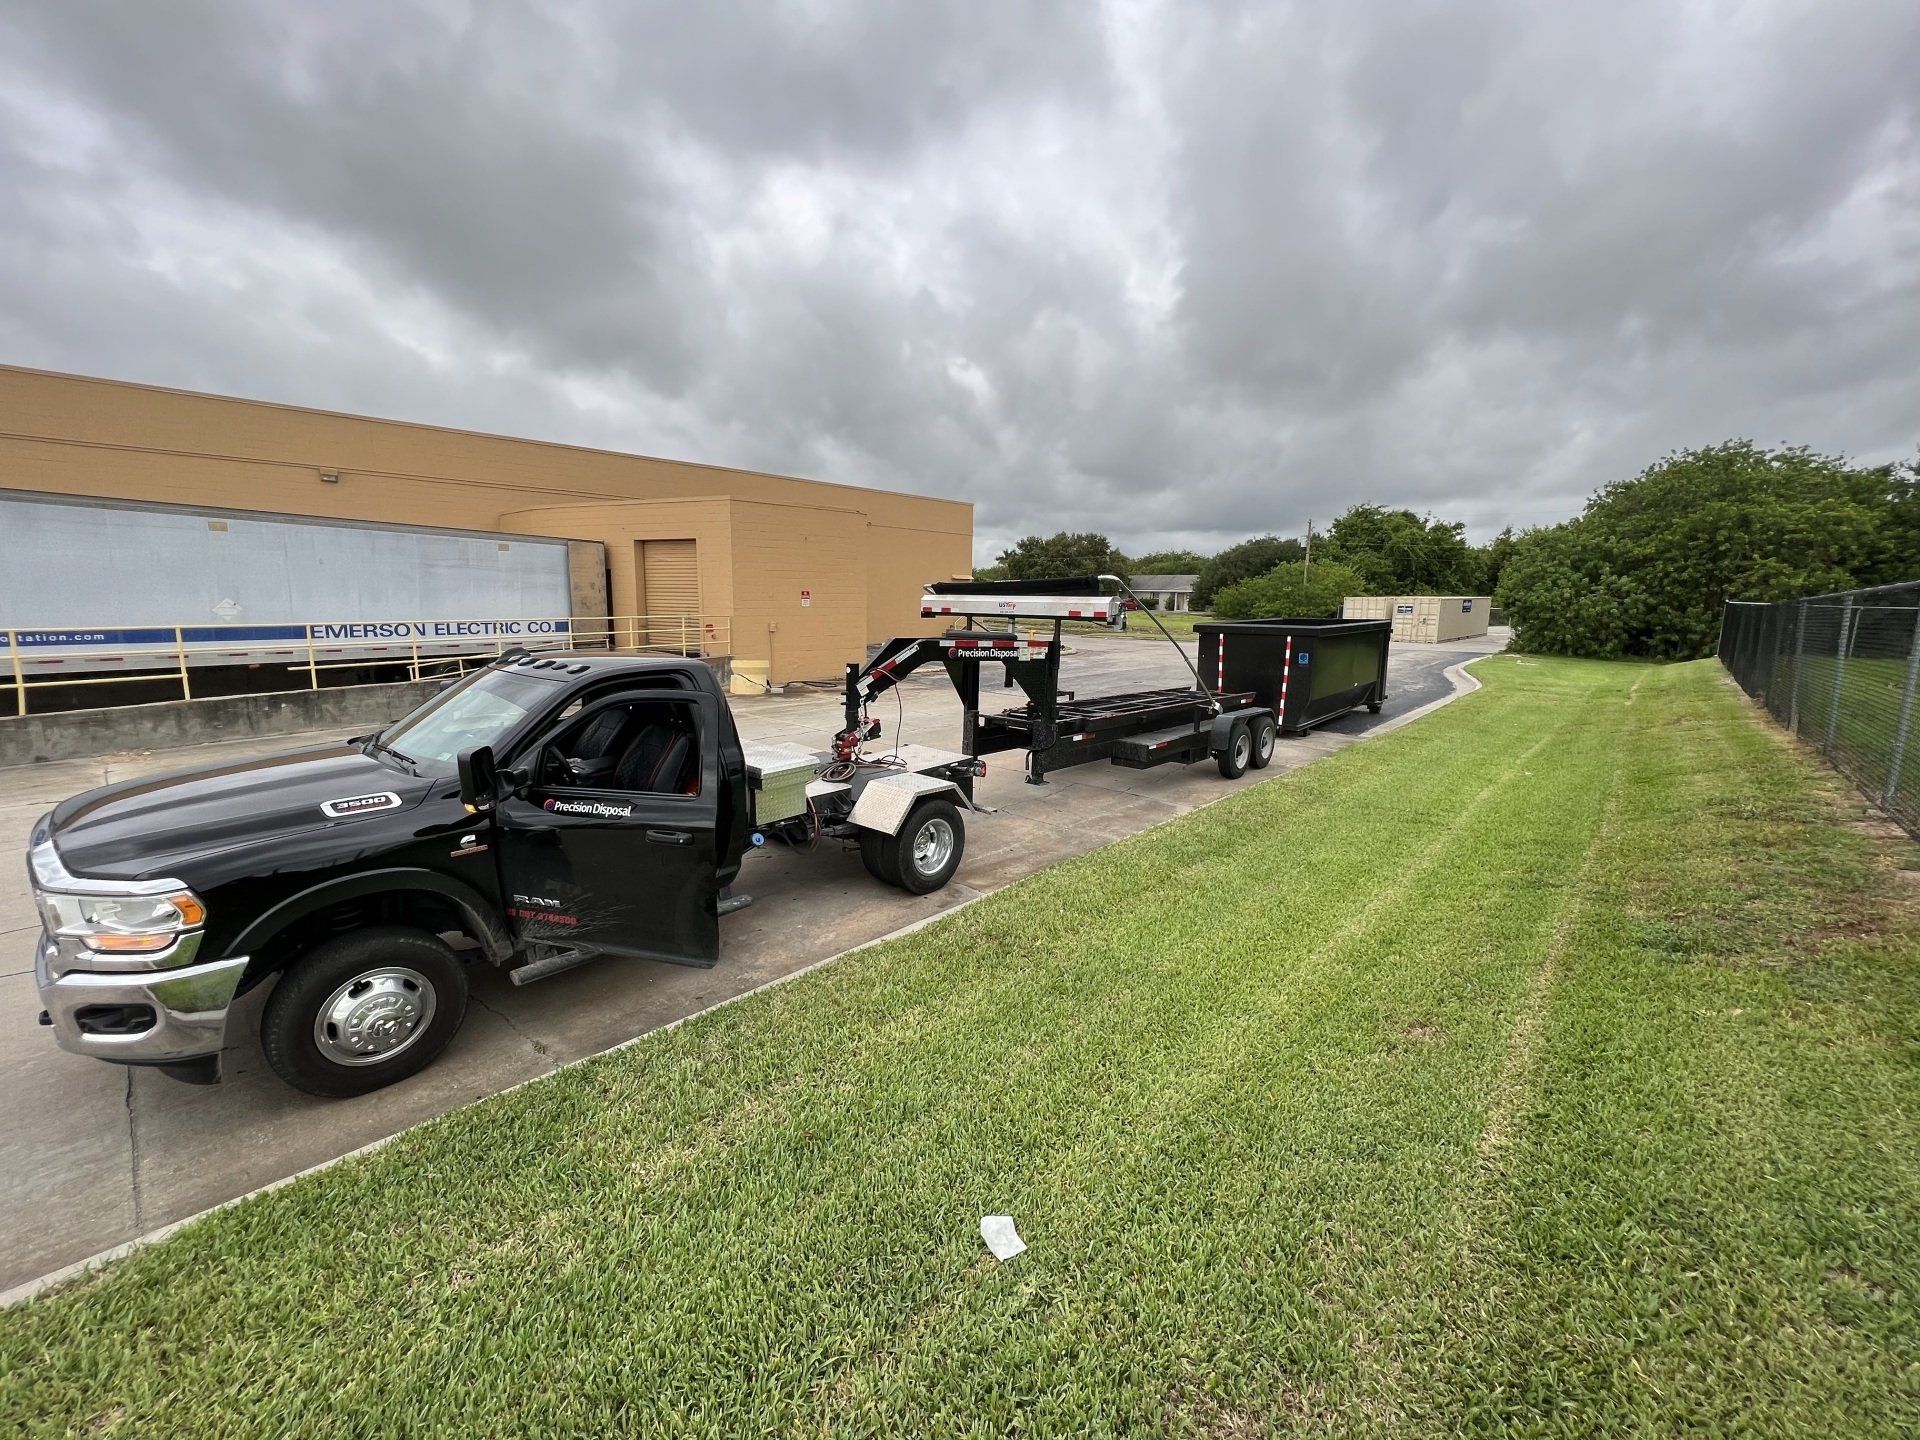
[{"x": 1546, "y": 1067}]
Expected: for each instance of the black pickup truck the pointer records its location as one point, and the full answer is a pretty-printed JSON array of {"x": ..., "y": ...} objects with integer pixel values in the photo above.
[{"x": 537, "y": 814}]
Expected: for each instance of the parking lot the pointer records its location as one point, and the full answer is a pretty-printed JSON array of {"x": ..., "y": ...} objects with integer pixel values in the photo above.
[{"x": 92, "y": 1155}]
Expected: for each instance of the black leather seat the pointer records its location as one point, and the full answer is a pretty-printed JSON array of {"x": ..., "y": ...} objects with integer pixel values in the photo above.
[
  {"x": 596, "y": 751},
  {"x": 659, "y": 760},
  {"x": 602, "y": 738}
]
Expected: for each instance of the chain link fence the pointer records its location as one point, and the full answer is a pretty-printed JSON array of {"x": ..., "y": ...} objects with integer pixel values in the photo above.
[{"x": 1842, "y": 672}]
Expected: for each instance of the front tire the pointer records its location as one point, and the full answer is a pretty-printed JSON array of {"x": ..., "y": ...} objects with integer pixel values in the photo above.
[
  {"x": 923, "y": 857},
  {"x": 363, "y": 1010}
]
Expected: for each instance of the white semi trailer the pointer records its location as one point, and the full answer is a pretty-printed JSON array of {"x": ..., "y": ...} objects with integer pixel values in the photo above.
[{"x": 100, "y": 585}]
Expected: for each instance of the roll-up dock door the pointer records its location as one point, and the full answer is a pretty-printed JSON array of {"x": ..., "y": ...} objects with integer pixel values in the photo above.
[{"x": 672, "y": 600}]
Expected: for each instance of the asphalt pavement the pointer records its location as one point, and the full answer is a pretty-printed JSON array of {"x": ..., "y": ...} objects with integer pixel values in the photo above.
[{"x": 93, "y": 1155}]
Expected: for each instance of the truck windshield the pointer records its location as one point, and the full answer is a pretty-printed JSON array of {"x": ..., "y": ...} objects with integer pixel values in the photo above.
[{"x": 479, "y": 712}]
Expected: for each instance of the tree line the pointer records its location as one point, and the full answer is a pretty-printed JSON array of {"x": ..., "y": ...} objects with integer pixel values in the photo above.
[
  {"x": 1368, "y": 550},
  {"x": 1643, "y": 571}
]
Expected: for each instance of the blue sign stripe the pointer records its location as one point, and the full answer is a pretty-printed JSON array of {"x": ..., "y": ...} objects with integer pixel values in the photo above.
[
  {"x": 218, "y": 634},
  {"x": 403, "y": 631},
  {"x": 94, "y": 637}
]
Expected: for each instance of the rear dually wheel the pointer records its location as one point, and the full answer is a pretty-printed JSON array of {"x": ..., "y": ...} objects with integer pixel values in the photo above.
[{"x": 925, "y": 853}]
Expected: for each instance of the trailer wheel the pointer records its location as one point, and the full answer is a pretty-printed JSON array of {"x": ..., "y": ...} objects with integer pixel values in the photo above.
[
  {"x": 876, "y": 853},
  {"x": 363, "y": 1010},
  {"x": 926, "y": 852},
  {"x": 1238, "y": 754},
  {"x": 1264, "y": 728}
]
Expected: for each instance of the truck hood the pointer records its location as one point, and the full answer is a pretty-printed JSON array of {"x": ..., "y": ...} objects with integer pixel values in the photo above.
[{"x": 155, "y": 826}]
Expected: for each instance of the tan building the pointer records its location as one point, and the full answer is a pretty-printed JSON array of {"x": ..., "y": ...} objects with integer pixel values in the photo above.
[{"x": 797, "y": 576}]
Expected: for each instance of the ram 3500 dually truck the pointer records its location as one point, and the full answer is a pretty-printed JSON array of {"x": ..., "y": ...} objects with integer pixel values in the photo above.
[{"x": 537, "y": 814}]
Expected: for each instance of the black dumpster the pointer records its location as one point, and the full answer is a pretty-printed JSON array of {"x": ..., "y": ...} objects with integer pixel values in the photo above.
[{"x": 1306, "y": 671}]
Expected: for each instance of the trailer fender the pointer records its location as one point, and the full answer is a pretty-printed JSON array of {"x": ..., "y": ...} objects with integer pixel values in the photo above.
[
  {"x": 1220, "y": 738},
  {"x": 886, "y": 802}
]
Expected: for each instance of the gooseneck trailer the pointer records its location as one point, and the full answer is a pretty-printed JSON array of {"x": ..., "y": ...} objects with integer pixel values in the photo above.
[{"x": 1058, "y": 729}]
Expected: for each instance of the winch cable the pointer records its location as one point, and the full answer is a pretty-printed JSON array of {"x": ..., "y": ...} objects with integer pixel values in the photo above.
[{"x": 1128, "y": 589}]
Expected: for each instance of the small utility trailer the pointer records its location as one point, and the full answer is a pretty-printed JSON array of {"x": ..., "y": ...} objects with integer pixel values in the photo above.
[{"x": 1058, "y": 729}]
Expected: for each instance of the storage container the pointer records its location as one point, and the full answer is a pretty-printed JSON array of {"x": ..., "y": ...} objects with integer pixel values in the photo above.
[{"x": 1423, "y": 619}]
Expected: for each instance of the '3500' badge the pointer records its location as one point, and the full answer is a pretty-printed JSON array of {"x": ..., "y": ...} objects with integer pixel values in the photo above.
[{"x": 360, "y": 805}]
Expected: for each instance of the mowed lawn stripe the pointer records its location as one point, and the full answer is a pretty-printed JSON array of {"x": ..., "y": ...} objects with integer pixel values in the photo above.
[
  {"x": 1231, "y": 1077},
  {"x": 1151, "y": 1201},
  {"x": 1711, "y": 1214}
]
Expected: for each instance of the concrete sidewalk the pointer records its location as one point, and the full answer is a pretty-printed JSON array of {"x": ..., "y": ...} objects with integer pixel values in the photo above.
[{"x": 93, "y": 1155}]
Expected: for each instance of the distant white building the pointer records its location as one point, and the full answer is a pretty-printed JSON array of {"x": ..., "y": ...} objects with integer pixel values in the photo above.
[{"x": 1167, "y": 592}]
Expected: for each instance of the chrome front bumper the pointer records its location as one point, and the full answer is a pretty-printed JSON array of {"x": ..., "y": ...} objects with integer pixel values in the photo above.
[{"x": 187, "y": 1005}]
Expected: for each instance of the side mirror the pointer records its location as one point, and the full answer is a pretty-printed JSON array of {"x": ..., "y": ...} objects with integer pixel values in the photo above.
[{"x": 479, "y": 780}]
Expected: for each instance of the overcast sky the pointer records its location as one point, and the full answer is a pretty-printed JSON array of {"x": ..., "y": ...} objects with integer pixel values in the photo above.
[{"x": 1175, "y": 272}]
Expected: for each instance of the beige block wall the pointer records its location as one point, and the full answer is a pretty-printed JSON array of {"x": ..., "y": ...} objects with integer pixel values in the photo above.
[
  {"x": 148, "y": 443},
  {"x": 900, "y": 560},
  {"x": 587, "y": 576},
  {"x": 755, "y": 558},
  {"x": 622, "y": 525},
  {"x": 780, "y": 551}
]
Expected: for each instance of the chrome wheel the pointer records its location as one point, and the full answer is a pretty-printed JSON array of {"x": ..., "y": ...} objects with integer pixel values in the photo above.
[
  {"x": 932, "y": 846},
  {"x": 1242, "y": 749},
  {"x": 374, "y": 1016},
  {"x": 1264, "y": 746}
]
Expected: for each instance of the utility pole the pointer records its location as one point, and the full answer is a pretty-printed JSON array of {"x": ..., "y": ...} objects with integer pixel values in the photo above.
[{"x": 1306, "y": 565}]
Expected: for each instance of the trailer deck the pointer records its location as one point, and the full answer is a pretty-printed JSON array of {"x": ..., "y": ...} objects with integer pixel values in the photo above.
[{"x": 1058, "y": 729}]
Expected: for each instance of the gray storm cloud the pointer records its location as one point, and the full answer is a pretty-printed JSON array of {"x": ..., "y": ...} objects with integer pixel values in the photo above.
[{"x": 1174, "y": 272}]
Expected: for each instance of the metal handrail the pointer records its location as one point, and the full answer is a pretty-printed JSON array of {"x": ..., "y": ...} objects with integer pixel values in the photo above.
[{"x": 684, "y": 634}]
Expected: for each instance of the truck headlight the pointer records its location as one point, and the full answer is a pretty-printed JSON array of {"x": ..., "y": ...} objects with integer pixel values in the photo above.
[
  {"x": 121, "y": 924},
  {"x": 91, "y": 915}
]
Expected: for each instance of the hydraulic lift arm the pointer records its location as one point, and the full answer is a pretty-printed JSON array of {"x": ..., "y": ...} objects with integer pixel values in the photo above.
[
  {"x": 1031, "y": 664},
  {"x": 896, "y": 660}
]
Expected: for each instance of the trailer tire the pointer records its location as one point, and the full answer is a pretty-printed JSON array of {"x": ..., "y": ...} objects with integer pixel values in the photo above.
[
  {"x": 1265, "y": 730},
  {"x": 876, "y": 854},
  {"x": 1238, "y": 754},
  {"x": 1373, "y": 707},
  {"x": 363, "y": 1010},
  {"x": 927, "y": 851}
]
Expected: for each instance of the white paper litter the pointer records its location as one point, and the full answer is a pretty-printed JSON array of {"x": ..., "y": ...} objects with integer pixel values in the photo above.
[{"x": 1002, "y": 1239}]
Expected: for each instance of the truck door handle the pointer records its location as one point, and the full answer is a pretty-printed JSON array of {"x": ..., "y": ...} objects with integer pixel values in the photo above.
[{"x": 670, "y": 837}]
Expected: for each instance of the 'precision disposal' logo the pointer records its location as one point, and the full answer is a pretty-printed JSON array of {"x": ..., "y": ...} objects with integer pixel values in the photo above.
[{"x": 589, "y": 807}]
